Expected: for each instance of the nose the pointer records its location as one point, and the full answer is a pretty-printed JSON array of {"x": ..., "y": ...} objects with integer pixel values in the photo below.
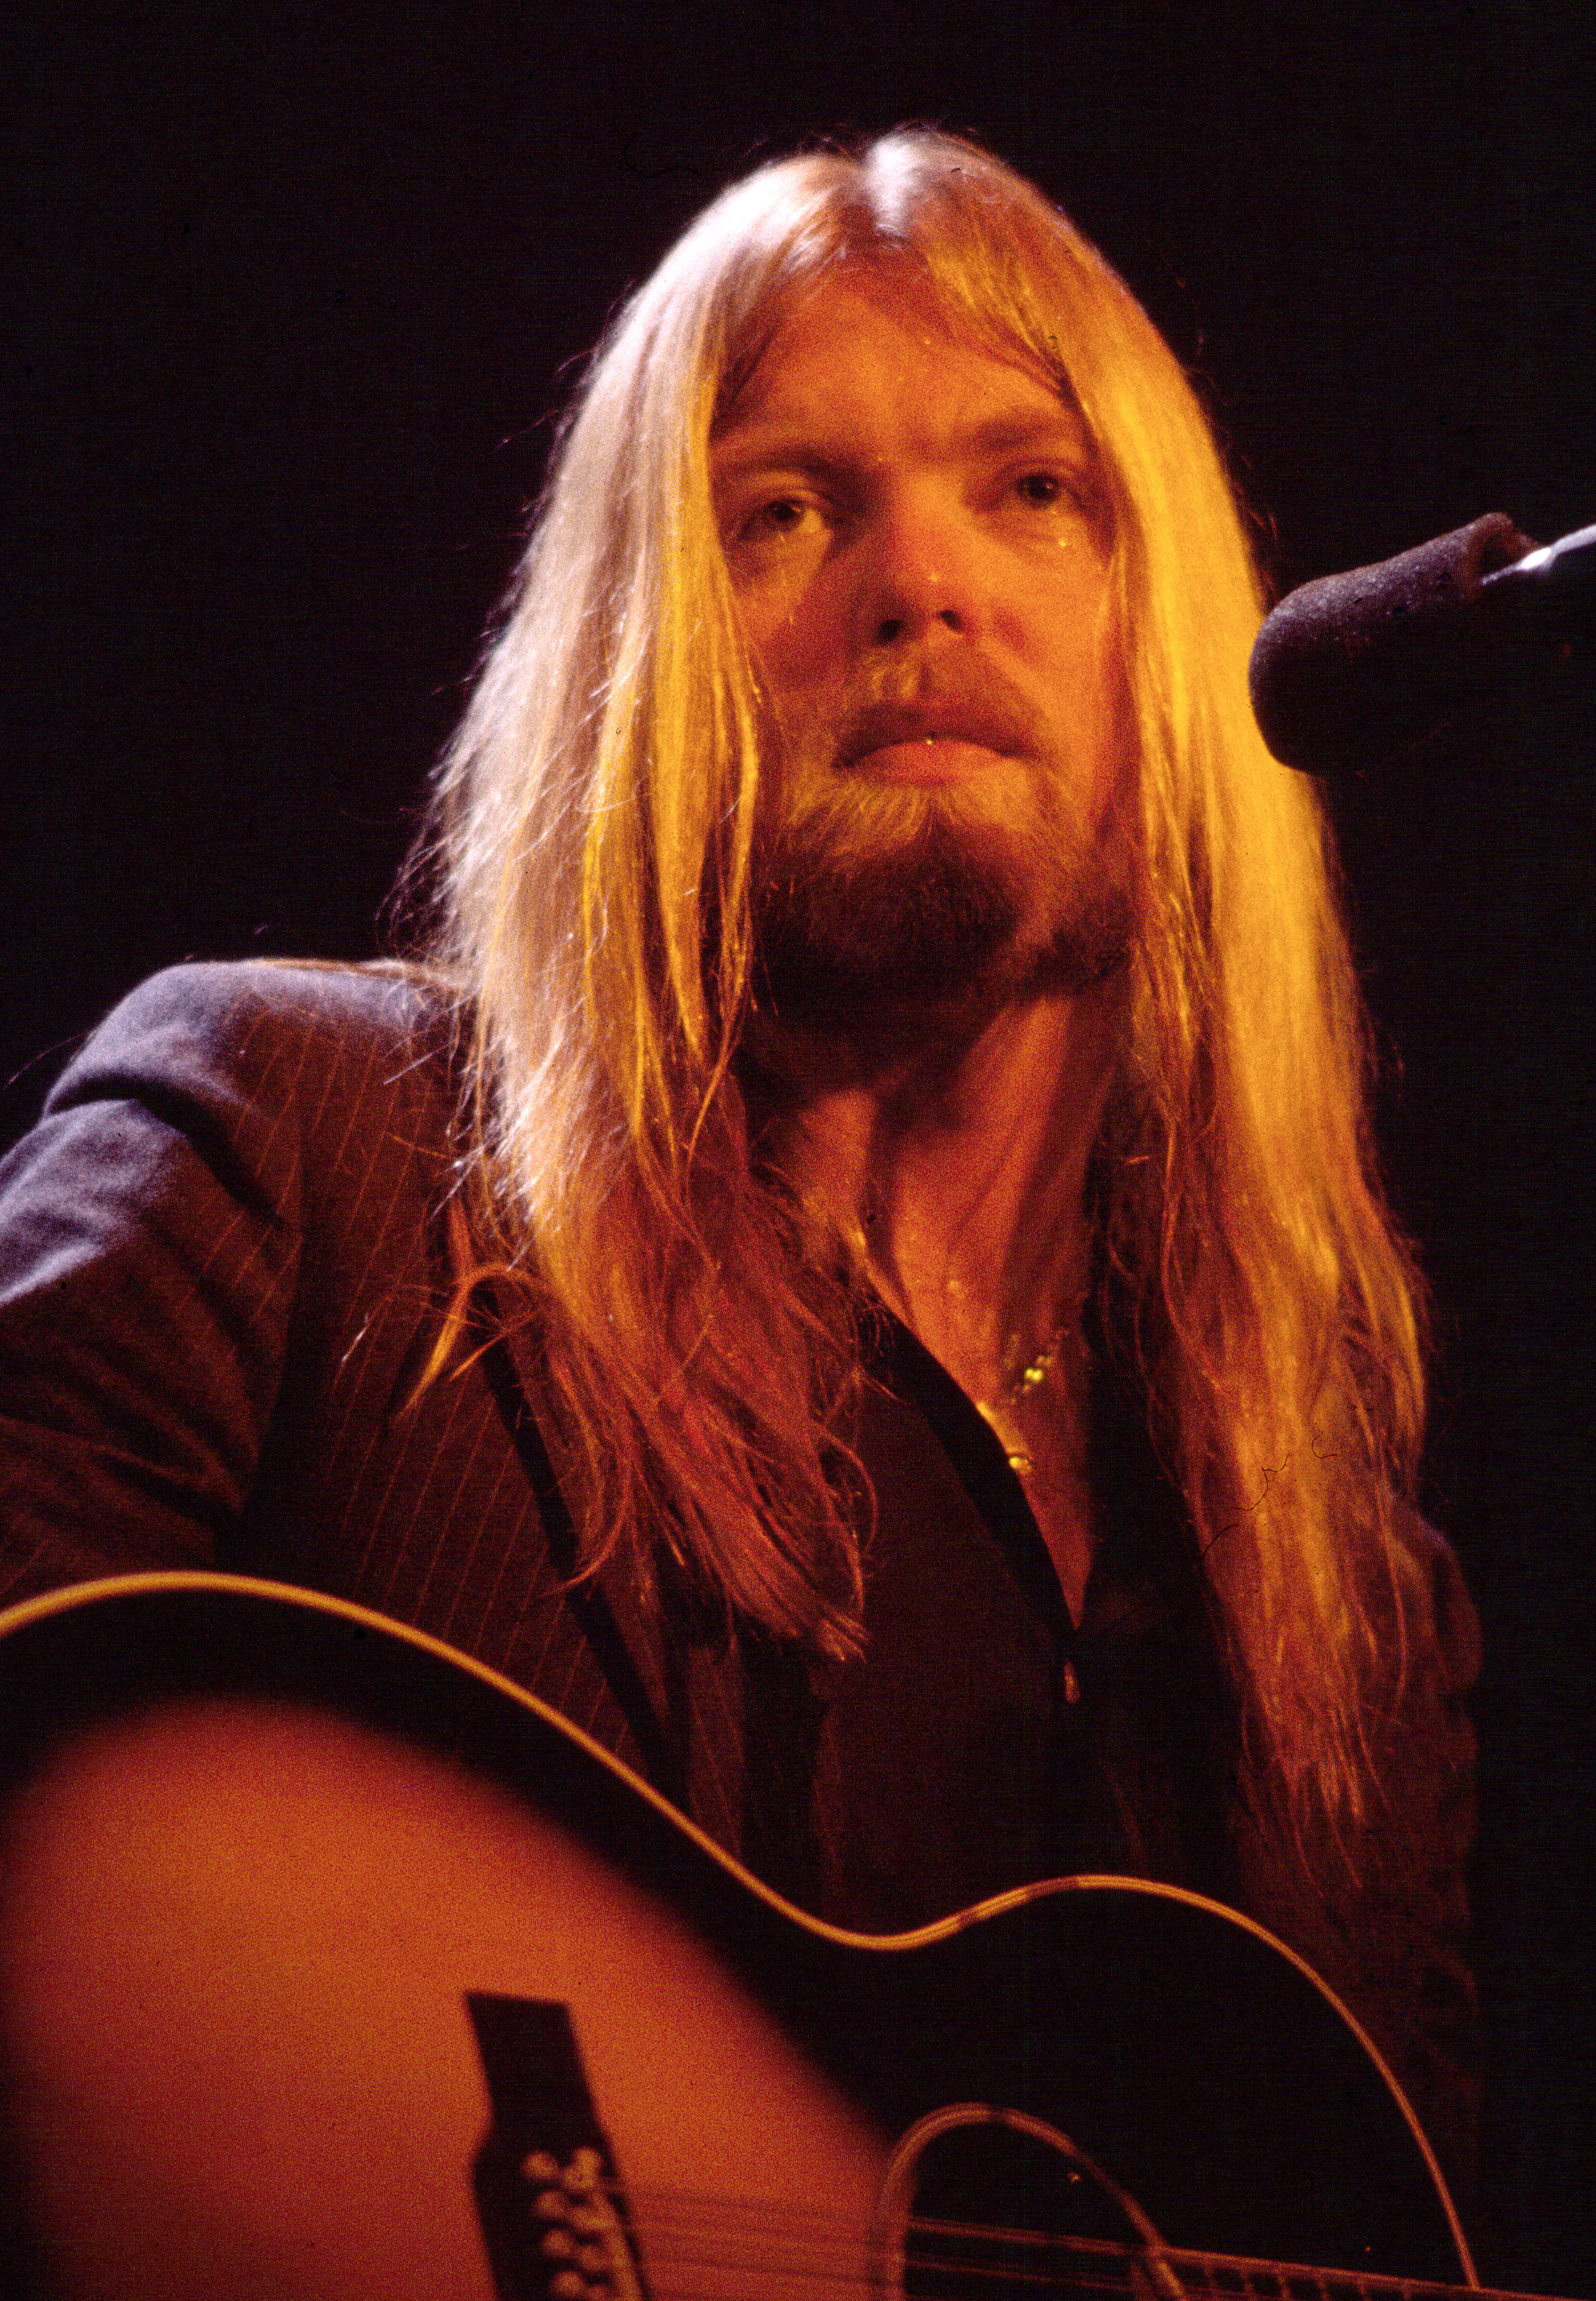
[{"x": 920, "y": 573}]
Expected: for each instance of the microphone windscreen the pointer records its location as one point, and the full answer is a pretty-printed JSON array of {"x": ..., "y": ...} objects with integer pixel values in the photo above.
[{"x": 1358, "y": 665}]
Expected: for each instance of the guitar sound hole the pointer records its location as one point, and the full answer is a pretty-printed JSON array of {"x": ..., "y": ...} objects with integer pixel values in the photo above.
[{"x": 996, "y": 2212}]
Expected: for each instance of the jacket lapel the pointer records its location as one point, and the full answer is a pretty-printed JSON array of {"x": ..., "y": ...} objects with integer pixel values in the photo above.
[{"x": 681, "y": 1694}]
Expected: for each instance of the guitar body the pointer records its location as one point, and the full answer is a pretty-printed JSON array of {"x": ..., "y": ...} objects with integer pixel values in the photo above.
[{"x": 325, "y": 1955}]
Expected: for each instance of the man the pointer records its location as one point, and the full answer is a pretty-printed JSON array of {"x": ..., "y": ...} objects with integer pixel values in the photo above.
[{"x": 854, "y": 1269}]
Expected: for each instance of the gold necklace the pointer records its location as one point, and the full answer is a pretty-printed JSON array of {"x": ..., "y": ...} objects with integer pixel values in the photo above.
[
  {"x": 1033, "y": 1377},
  {"x": 1028, "y": 1383}
]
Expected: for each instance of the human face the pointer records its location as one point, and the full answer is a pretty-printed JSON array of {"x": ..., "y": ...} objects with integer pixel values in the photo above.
[{"x": 914, "y": 533}]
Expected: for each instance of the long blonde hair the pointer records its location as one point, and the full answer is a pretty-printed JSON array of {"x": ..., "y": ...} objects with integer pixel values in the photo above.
[{"x": 592, "y": 840}]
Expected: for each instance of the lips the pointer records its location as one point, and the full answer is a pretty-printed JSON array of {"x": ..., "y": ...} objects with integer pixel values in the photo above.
[{"x": 882, "y": 725}]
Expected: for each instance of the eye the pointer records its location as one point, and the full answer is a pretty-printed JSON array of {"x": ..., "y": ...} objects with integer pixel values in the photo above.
[
  {"x": 774, "y": 535},
  {"x": 1042, "y": 489},
  {"x": 782, "y": 515}
]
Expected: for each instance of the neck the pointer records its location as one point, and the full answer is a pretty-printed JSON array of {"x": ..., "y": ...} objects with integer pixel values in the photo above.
[{"x": 958, "y": 1172}]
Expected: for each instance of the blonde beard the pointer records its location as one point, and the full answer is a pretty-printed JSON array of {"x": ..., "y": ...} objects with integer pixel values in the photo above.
[{"x": 889, "y": 897}]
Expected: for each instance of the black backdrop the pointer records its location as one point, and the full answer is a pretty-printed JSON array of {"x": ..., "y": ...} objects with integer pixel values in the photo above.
[{"x": 290, "y": 296}]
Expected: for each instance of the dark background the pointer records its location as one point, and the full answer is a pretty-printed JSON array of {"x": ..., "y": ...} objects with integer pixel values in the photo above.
[{"x": 291, "y": 295}]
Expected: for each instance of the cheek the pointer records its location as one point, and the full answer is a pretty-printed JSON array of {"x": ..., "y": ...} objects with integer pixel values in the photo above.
[
  {"x": 789, "y": 638},
  {"x": 1053, "y": 603}
]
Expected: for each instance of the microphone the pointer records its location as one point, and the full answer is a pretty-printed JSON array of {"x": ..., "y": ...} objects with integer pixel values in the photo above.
[{"x": 1354, "y": 666}]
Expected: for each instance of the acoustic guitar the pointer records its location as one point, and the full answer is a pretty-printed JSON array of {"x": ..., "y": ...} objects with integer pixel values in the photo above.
[{"x": 335, "y": 1968}]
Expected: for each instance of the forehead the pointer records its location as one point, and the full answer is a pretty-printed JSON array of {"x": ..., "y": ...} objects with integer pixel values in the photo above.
[{"x": 874, "y": 346}]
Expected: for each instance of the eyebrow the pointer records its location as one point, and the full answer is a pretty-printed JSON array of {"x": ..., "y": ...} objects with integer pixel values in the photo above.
[{"x": 1000, "y": 433}]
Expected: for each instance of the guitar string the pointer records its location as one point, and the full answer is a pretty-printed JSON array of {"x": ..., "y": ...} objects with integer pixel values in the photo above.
[
  {"x": 674, "y": 2276},
  {"x": 811, "y": 2234},
  {"x": 673, "y": 2283},
  {"x": 1225, "y": 2280},
  {"x": 673, "y": 2287},
  {"x": 689, "y": 2240},
  {"x": 694, "y": 2211},
  {"x": 700, "y": 2241},
  {"x": 668, "y": 2271},
  {"x": 823, "y": 2237}
]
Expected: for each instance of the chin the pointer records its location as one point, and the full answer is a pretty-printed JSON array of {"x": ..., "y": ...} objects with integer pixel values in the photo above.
[{"x": 920, "y": 900}]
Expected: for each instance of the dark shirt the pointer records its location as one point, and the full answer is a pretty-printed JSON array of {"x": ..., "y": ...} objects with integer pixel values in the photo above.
[
  {"x": 989, "y": 1742},
  {"x": 223, "y": 1267}
]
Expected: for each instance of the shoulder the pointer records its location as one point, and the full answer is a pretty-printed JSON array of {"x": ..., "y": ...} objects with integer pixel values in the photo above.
[
  {"x": 235, "y": 1038},
  {"x": 289, "y": 1082},
  {"x": 253, "y": 1012}
]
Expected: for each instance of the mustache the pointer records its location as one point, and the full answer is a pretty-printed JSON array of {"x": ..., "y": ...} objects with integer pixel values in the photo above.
[{"x": 972, "y": 703}]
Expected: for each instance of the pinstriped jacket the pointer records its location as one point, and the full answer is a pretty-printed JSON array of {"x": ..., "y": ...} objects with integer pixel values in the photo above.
[{"x": 223, "y": 1269}]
